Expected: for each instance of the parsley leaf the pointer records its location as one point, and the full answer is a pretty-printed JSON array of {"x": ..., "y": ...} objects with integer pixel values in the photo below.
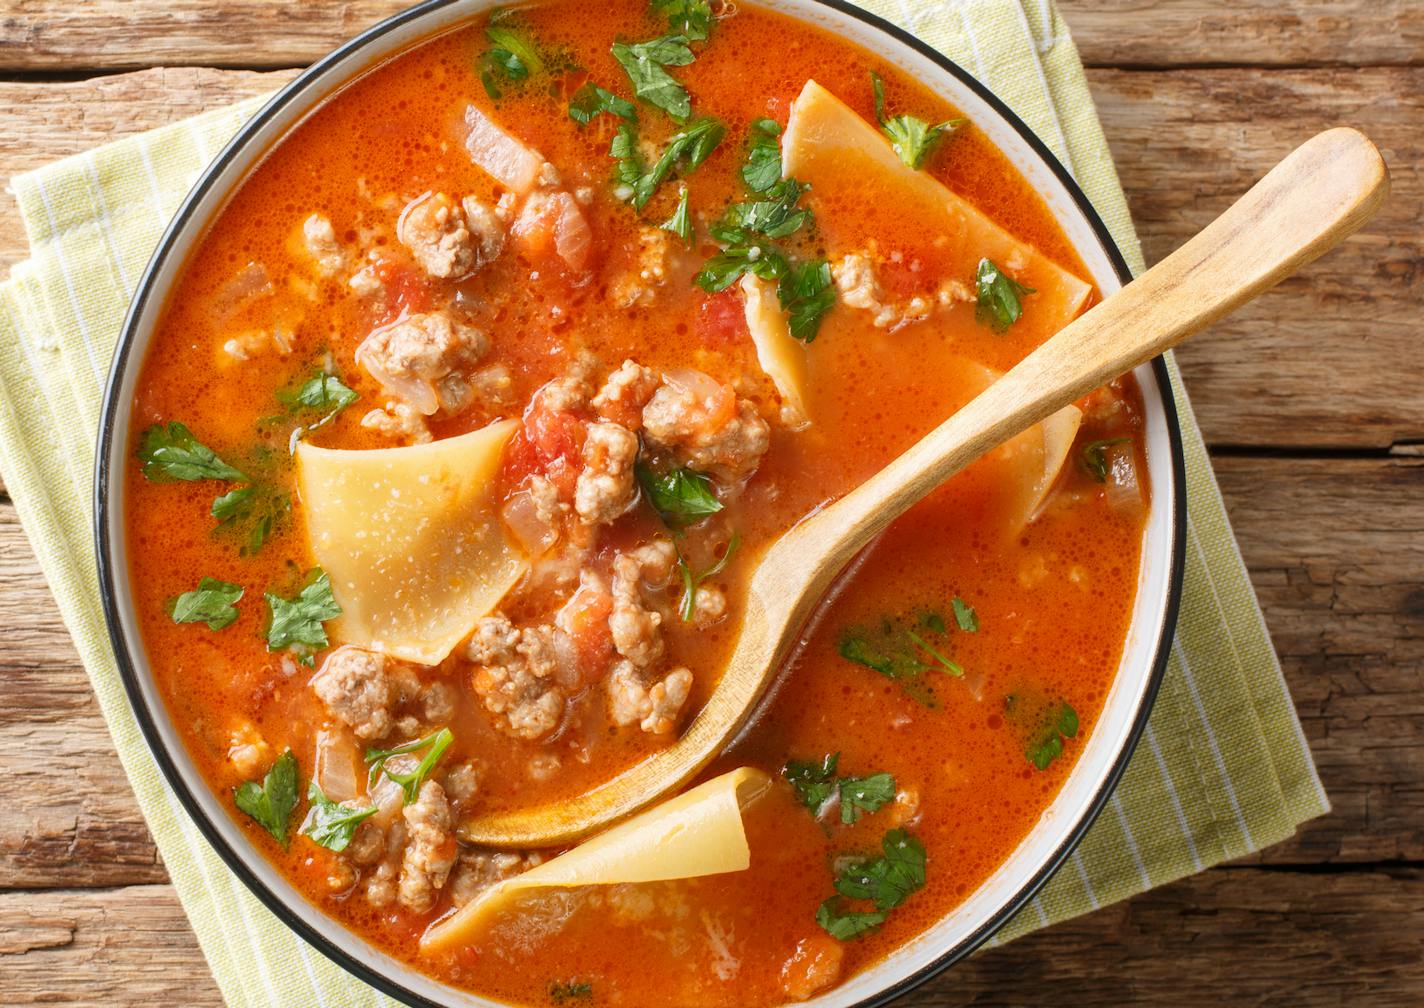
[
  {"x": 763, "y": 167},
  {"x": 689, "y": 18},
  {"x": 1046, "y": 744},
  {"x": 252, "y": 512},
  {"x": 865, "y": 794},
  {"x": 510, "y": 54},
  {"x": 297, "y": 622},
  {"x": 887, "y": 880},
  {"x": 904, "y": 648},
  {"x": 1095, "y": 456},
  {"x": 726, "y": 267},
  {"x": 590, "y": 100},
  {"x": 685, "y": 150},
  {"x": 812, "y": 781},
  {"x": 629, "y": 167},
  {"x": 687, "y": 607},
  {"x": 843, "y": 925},
  {"x": 679, "y": 496},
  {"x": 912, "y": 138},
  {"x": 806, "y": 293},
  {"x": 777, "y": 217},
  {"x": 964, "y": 615},
  {"x": 332, "y": 824},
  {"x": 272, "y": 801},
  {"x": 213, "y": 602},
  {"x": 322, "y": 393},
  {"x": 564, "y": 990},
  {"x": 409, "y": 781},
  {"x": 170, "y": 452},
  {"x": 680, "y": 223},
  {"x": 643, "y": 62},
  {"x": 999, "y": 295}
]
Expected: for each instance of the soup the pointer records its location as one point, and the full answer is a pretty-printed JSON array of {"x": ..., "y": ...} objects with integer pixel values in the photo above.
[{"x": 468, "y": 421}]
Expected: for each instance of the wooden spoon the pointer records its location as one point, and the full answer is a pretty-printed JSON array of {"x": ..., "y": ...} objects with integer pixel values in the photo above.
[{"x": 1307, "y": 204}]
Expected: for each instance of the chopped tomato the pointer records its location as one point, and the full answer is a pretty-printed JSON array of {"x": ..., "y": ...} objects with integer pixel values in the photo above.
[
  {"x": 721, "y": 321},
  {"x": 552, "y": 225},
  {"x": 406, "y": 290},
  {"x": 551, "y": 444},
  {"x": 585, "y": 619}
]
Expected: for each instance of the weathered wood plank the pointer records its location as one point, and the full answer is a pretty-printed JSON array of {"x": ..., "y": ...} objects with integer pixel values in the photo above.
[
  {"x": 43, "y": 122},
  {"x": 115, "y": 34},
  {"x": 1231, "y": 936},
  {"x": 1335, "y": 549},
  {"x": 1330, "y": 358}
]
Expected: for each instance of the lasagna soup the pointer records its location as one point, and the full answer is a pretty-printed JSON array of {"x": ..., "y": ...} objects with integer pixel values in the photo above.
[{"x": 467, "y": 423}]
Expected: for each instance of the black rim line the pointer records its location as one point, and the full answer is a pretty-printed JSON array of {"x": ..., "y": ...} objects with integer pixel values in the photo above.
[{"x": 108, "y": 570}]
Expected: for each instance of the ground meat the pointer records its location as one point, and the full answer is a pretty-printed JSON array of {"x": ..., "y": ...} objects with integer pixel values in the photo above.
[
  {"x": 480, "y": 869},
  {"x": 258, "y": 343},
  {"x": 368, "y": 843},
  {"x": 648, "y": 270},
  {"x": 462, "y": 782},
  {"x": 606, "y": 486},
  {"x": 423, "y": 358},
  {"x": 320, "y": 239},
  {"x": 398, "y": 420},
  {"x": 381, "y": 883},
  {"x": 632, "y": 624},
  {"x": 248, "y": 751},
  {"x": 625, "y": 393},
  {"x": 430, "y": 848},
  {"x": 692, "y": 420},
  {"x": 708, "y": 606},
  {"x": 493, "y": 385},
  {"x": 573, "y": 391},
  {"x": 516, "y": 675},
  {"x": 357, "y": 688},
  {"x": 859, "y": 287},
  {"x": 655, "y": 708},
  {"x": 450, "y": 239}
]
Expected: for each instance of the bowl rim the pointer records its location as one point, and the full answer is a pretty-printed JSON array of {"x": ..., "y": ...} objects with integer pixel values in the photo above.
[{"x": 112, "y": 574}]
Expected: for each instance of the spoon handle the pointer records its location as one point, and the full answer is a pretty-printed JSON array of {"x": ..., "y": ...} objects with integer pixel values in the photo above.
[{"x": 1309, "y": 203}]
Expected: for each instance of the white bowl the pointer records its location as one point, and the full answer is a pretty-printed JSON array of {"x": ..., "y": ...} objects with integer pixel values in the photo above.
[{"x": 1106, "y": 751}]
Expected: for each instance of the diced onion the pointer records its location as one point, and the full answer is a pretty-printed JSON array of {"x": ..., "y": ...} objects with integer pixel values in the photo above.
[
  {"x": 334, "y": 767},
  {"x": 508, "y": 161}
]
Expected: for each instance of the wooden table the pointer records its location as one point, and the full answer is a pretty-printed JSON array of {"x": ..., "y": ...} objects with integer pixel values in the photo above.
[{"x": 1312, "y": 400}]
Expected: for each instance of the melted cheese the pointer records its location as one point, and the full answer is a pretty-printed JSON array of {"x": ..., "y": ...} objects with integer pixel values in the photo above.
[
  {"x": 847, "y": 161},
  {"x": 780, "y": 354},
  {"x": 411, "y": 539},
  {"x": 699, "y": 832}
]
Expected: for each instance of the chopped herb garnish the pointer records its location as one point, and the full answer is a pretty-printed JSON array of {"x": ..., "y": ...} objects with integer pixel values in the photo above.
[
  {"x": 643, "y": 62},
  {"x": 297, "y": 622},
  {"x": 806, "y": 293},
  {"x": 912, "y": 138},
  {"x": 567, "y": 990},
  {"x": 763, "y": 168},
  {"x": 904, "y": 649},
  {"x": 213, "y": 602},
  {"x": 322, "y": 394},
  {"x": 1095, "y": 456},
  {"x": 629, "y": 167},
  {"x": 776, "y": 217},
  {"x": 332, "y": 824},
  {"x": 999, "y": 297},
  {"x": 689, "y": 18},
  {"x": 685, "y": 150},
  {"x": 887, "y": 881},
  {"x": 813, "y": 781},
  {"x": 680, "y": 223},
  {"x": 964, "y": 615},
  {"x": 679, "y": 496},
  {"x": 272, "y": 801},
  {"x": 726, "y": 267},
  {"x": 409, "y": 781},
  {"x": 252, "y": 512},
  {"x": 1046, "y": 744},
  {"x": 842, "y": 924},
  {"x": 590, "y": 101},
  {"x": 691, "y": 581},
  {"x": 171, "y": 452},
  {"x": 865, "y": 794},
  {"x": 510, "y": 54}
]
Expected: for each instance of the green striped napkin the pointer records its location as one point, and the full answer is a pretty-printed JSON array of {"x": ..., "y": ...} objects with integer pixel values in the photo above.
[{"x": 1222, "y": 771}]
